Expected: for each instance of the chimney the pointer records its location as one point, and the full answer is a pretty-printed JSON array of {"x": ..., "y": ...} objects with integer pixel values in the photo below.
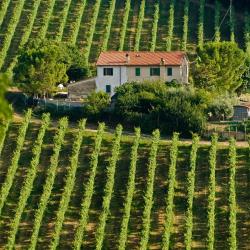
[
  {"x": 162, "y": 61},
  {"x": 127, "y": 58}
]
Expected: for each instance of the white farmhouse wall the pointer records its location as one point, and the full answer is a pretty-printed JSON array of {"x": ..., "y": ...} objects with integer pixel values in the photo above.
[
  {"x": 123, "y": 74},
  {"x": 119, "y": 77}
]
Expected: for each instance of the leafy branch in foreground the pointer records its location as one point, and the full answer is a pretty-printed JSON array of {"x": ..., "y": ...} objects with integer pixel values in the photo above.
[
  {"x": 211, "y": 192},
  {"x": 89, "y": 189},
  {"x": 15, "y": 159},
  {"x": 190, "y": 189},
  {"x": 169, "y": 213},
  {"x": 69, "y": 185},
  {"x": 47, "y": 188},
  {"x": 130, "y": 191},
  {"x": 28, "y": 183},
  {"x": 148, "y": 198},
  {"x": 108, "y": 190}
]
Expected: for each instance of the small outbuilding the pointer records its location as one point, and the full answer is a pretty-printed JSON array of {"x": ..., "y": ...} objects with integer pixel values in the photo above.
[{"x": 241, "y": 112}]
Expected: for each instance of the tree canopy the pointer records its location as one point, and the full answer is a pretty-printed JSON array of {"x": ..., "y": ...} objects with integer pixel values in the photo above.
[
  {"x": 42, "y": 65},
  {"x": 220, "y": 67},
  {"x": 5, "y": 109}
]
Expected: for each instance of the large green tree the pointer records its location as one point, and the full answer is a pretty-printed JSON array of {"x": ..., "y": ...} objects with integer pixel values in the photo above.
[
  {"x": 42, "y": 65},
  {"x": 5, "y": 109},
  {"x": 220, "y": 67}
]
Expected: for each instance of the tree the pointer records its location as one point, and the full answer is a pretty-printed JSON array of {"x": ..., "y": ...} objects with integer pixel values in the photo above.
[
  {"x": 220, "y": 67},
  {"x": 5, "y": 110},
  {"x": 43, "y": 64}
]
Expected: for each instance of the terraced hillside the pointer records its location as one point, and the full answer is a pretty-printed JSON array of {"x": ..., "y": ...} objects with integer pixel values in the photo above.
[
  {"x": 96, "y": 25},
  {"x": 76, "y": 188}
]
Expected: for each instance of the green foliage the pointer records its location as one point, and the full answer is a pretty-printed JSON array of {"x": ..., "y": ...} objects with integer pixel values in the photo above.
[
  {"x": 148, "y": 197},
  {"x": 91, "y": 31},
  {"x": 220, "y": 67},
  {"x": 3, "y": 9},
  {"x": 46, "y": 19},
  {"x": 232, "y": 196},
  {"x": 217, "y": 21},
  {"x": 170, "y": 26},
  {"x": 27, "y": 32},
  {"x": 5, "y": 110},
  {"x": 185, "y": 25},
  {"x": 49, "y": 182},
  {"x": 155, "y": 26},
  {"x": 221, "y": 107},
  {"x": 190, "y": 189},
  {"x": 69, "y": 185},
  {"x": 232, "y": 25},
  {"x": 139, "y": 25},
  {"x": 62, "y": 20},
  {"x": 108, "y": 25},
  {"x": 89, "y": 189},
  {"x": 108, "y": 190},
  {"x": 201, "y": 24},
  {"x": 247, "y": 33},
  {"x": 3, "y": 132},
  {"x": 12, "y": 24},
  {"x": 169, "y": 213},
  {"x": 14, "y": 160},
  {"x": 130, "y": 191},
  {"x": 44, "y": 64},
  {"x": 96, "y": 104},
  {"x": 155, "y": 105},
  {"x": 28, "y": 183},
  {"x": 124, "y": 24},
  {"x": 76, "y": 23},
  {"x": 211, "y": 192}
]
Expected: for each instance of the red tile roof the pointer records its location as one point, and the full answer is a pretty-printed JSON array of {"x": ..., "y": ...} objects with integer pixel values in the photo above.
[{"x": 141, "y": 58}]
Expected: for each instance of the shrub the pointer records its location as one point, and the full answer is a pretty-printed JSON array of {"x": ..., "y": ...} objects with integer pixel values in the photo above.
[
  {"x": 97, "y": 104},
  {"x": 155, "y": 105}
]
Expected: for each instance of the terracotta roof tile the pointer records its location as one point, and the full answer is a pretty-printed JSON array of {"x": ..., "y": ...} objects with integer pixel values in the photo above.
[{"x": 140, "y": 58}]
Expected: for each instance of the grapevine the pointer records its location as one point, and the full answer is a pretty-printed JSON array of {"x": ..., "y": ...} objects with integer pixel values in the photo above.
[{"x": 15, "y": 159}]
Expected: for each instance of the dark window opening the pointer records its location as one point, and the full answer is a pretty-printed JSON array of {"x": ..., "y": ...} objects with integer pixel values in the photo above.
[
  {"x": 108, "y": 88},
  {"x": 155, "y": 72},
  {"x": 108, "y": 71}
]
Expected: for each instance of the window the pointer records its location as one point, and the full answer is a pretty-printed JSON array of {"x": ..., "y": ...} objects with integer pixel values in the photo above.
[
  {"x": 154, "y": 71},
  {"x": 169, "y": 71},
  {"x": 108, "y": 71},
  {"x": 137, "y": 71},
  {"x": 108, "y": 88}
]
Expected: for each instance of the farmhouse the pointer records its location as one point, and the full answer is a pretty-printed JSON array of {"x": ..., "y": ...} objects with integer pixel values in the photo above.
[{"x": 115, "y": 68}]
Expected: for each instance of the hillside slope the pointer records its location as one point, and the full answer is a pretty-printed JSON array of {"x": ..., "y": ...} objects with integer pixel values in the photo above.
[
  {"x": 112, "y": 24},
  {"x": 113, "y": 225}
]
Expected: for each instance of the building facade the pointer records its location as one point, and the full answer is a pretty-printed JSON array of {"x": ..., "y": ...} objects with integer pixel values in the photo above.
[{"x": 115, "y": 68}]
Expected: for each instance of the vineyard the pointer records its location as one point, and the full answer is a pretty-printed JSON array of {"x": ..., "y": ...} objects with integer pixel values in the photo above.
[
  {"x": 100, "y": 25},
  {"x": 73, "y": 188}
]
